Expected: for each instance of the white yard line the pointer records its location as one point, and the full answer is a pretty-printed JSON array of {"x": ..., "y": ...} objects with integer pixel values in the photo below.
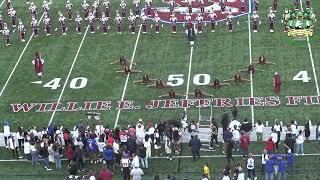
[
  {"x": 189, "y": 74},
  {"x": 20, "y": 57},
  {"x": 2, "y": 3},
  {"x": 127, "y": 80},
  {"x": 250, "y": 58},
  {"x": 165, "y": 157},
  {"x": 69, "y": 74},
  {"x": 311, "y": 58}
]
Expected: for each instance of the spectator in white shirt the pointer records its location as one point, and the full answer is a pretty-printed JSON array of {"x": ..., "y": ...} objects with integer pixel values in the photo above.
[
  {"x": 136, "y": 173},
  {"x": 12, "y": 146},
  {"x": 259, "y": 131},
  {"x": 250, "y": 167},
  {"x": 116, "y": 150},
  {"x": 274, "y": 136},
  {"x": 140, "y": 133},
  {"x": 278, "y": 128},
  {"x": 236, "y": 138},
  {"x": 299, "y": 143},
  {"x": 6, "y": 132},
  {"x": 240, "y": 175},
  {"x": 135, "y": 161},
  {"x": 27, "y": 150},
  {"x": 20, "y": 137},
  {"x": 293, "y": 127},
  {"x": 147, "y": 145}
]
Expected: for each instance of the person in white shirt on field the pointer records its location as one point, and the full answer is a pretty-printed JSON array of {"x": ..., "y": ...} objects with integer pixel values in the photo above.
[
  {"x": 274, "y": 136},
  {"x": 299, "y": 143},
  {"x": 278, "y": 128},
  {"x": 259, "y": 131},
  {"x": 250, "y": 167},
  {"x": 27, "y": 150},
  {"x": 293, "y": 127},
  {"x": 236, "y": 138},
  {"x": 136, "y": 173},
  {"x": 6, "y": 132},
  {"x": 241, "y": 174},
  {"x": 135, "y": 161}
]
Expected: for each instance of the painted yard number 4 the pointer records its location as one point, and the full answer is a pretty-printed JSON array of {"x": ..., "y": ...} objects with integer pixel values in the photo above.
[
  {"x": 75, "y": 83},
  {"x": 301, "y": 76}
]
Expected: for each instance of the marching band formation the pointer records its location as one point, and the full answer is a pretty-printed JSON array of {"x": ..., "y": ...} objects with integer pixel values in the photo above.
[{"x": 94, "y": 15}]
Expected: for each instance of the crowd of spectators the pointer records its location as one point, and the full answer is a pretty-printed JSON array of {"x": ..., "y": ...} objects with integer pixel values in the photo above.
[{"x": 130, "y": 148}]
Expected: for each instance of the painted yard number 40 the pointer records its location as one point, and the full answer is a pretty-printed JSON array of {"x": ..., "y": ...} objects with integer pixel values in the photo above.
[
  {"x": 75, "y": 83},
  {"x": 301, "y": 76}
]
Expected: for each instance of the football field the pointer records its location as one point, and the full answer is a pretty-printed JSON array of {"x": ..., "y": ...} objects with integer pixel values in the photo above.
[{"x": 78, "y": 76}]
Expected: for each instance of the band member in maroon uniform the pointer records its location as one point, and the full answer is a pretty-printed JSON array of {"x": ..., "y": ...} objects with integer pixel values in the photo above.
[
  {"x": 106, "y": 5},
  {"x": 222, "y": 5},
  {"x": 127, "y": 70},
  {"x": 136, "y": 6},
  {"x": 271, "y": 17},
  {"x": 172, "y": 5},
  {"x": 122, "y": 61},
  {"x": 159, "y": 84},
  {"x": 13, "y": 14},
  {"x": 171, "y": 94},
  {"x": 199, "y": 20},
  {"x": 69, "y": 9},
  {"x": 47, "y": 24},
  {"x": 237, "y": 79},
  {"x": 38, "y": 64},
  {"x": 91, "y": 19},
  {"x": 190, "y": 6},
  {"x": 251, "y": 69},
  {"x": 256, "y": 5},
  {"x": 216, "y": 84},
  {"x": 118, "y": 20},
  {"x": 255, "y": 21},
  {"x": 274, "y": 5},
  {"x": 132, "y": 21},
  {"x": 308, "y": 4},
  {"x": 144, "y": 23},
  {"x": 96, "y": 9},
  {"x": 63, "y": 24},
  {"x": 123, "y": 6},
  {"x": 213, "y": 22},
  {"x": 230, "y": 22},
  {"x": 188, "y": 21},
  {"x": 145, "y": 80},
  {"x": 200, "y": 94},
  {"x": 33, "y": 10},
  {"x": 22, "y": 31},
  {"x": 202, "y": 6},
  {"x": 1, "y": 23},
  {"x": 243, "y": 6},
  {"x": 277, "y": 83},
  {"x": 34, "y": 26},
  {"x": 296, "y": 5},
  {"x": 6, "y": 34},
  {"x": 149, "y": 6},
  {"x": 173, "y": 20},
  {"x": 85, "y": 8},
  {"x": 263, "y": 60},
  {"x": 105, "y": 24},
  {"x": 157, "y": 23},
  {"x": 78, "y": 23}
]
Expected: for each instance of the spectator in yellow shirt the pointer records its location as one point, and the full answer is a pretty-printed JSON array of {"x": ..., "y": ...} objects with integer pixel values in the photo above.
[{"x": 206, "y": 171}]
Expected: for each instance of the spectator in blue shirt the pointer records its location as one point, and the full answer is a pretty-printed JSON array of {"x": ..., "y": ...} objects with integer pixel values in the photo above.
[
  {"x": 108, "y": 156},
  {"x": 282, "y": 169},
  {"x": 269, "y": 169},
  {"x": 290, "y": 162},
  {"x": 92, "y": 148}
]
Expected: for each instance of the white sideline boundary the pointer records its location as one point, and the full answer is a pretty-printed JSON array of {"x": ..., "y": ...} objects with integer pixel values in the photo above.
[
  {"x": 311, "y": 58},
  {"x": 250, "y": 58},
  {"x": 69, "y": 74},
  {"x": 174, "y": 157},
  {"x": 127, "y": 80},
  {"x": 19, "y": 59},
  {"x": 189, "y": 74}
]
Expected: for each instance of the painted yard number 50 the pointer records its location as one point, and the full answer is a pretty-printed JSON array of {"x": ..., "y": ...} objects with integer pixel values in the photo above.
[
  {"x": 198, "y": 79},
  {"x": 75, "y": 83}
]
